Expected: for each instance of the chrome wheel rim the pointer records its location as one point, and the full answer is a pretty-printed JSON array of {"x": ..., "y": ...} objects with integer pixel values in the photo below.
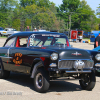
[{"x": 39, "y": 80}]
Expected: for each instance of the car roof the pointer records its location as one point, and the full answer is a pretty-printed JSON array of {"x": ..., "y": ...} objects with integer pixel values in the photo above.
[{"x": 26, "y": 33}]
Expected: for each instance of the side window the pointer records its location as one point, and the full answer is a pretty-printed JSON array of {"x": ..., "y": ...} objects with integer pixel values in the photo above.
[
  {"x": 35, "y": 42},
  {"x": 48, "y": 41},
  {"x": 60, "y": 40},
  {"x": 21, "y": 41},
  {"x": 11, "y": 42}
]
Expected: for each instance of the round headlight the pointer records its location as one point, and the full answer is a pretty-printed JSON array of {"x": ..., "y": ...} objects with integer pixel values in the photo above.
[
  {"x": 97, "y": 57},
  {"x": 54, "y": 56}
]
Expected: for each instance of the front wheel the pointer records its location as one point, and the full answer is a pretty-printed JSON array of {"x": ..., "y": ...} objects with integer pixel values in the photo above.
[
  {"x": 88, "y": 81},
  {"x": 41, "y": 81},
  {"x": 0, "y": 34}
]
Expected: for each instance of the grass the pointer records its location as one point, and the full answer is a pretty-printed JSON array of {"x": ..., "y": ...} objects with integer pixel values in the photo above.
[
  {"x": 3, "y": 37},
  {"x": 86, "y": 38}
]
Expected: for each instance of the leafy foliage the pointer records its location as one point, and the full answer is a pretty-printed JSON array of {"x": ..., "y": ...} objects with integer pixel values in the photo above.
[{"x": 71, "y": 14}]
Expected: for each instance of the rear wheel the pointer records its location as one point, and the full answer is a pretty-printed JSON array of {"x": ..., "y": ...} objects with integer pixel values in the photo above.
[
  {"x": 41, "y": 80},
  {"x": 4, "y": 74},
  {"x": 88, "y": 81}
]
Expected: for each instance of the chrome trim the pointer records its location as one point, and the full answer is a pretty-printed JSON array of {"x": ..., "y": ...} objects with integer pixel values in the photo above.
[
  {"x": 97, "y": 64},
  {"x": 5, "y": 57},
  {"x": 8, "y": 52},
  {"x": 89, "y": 67},
  {"x": 89, "y": 71},
  {"x": 53, "y": 65},
  {"x": 74, "y": 59}
]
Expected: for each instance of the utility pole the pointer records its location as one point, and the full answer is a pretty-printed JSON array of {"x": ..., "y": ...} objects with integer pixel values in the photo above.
[{"x": 70, "y": 21}]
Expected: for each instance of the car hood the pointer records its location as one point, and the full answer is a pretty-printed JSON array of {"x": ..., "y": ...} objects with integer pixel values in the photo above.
[{"x": 68, "y": 52}]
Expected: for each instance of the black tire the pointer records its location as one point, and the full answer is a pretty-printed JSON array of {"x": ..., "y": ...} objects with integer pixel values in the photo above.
[
  {"x": 41, "y": 80},
  {"x": 3, "y": 73},
  {"x": 97, "y": 73},
  {"x": 0, "y": 34},
  {"x": 88, "y": 81}
]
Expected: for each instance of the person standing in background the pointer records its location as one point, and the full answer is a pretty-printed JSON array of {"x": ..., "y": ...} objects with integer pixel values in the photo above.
[
  {"x": 97, "y": 41},
  {"x": 35, "y": 29},
  {"x": 27, "y": 29}
]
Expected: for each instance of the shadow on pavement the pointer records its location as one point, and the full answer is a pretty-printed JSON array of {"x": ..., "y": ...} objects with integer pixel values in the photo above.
[{"x": 55, "y": 85}]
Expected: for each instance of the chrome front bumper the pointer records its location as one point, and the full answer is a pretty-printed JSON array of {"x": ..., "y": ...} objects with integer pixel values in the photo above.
[{"x": 89, "y": 71}]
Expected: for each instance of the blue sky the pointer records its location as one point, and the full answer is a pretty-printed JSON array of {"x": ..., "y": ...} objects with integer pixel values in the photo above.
[{"x": 92, "y": 3}]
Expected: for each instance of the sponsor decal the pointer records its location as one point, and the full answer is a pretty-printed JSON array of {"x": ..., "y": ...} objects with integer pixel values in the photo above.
[{"x": 17, "y": 58}]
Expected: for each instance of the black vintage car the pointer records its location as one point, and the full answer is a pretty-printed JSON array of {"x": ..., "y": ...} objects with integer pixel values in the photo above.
[{"x": 46, "y": 56}]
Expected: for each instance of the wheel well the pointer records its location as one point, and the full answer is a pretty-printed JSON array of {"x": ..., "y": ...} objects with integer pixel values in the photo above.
[{"x": 34, "y": 62}]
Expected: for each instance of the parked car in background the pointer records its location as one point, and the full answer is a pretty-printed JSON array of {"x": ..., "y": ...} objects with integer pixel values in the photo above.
[
  {"x": 95, "y": 34},
  {"x": 9, "y": 31},
  {"x": 1, "y": 29},
  {"x": 46, "y": 56},
  {"x": 87, "y": 34}
]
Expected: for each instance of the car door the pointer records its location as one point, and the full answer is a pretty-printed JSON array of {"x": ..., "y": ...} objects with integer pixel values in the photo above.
[
  {"x": 18, "y": 57},
  {"x": 4, "y": 52}
]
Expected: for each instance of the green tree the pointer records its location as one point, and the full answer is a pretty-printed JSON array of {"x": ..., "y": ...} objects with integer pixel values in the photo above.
[
  {"x": 6, "y": 5},
  {"x": 6, "y": 10},
  {"x": 42, "y": 3},
  {"x": 3, "y": 19},
  {"x": 25, "y": 3},
  {"x": 28, "y": 22},
  {"x": 98, "y": 11},
  {"x": 86, "y": 18},
  {"x": 66, "y": 9},
  {"x": 16, "y": 24}
]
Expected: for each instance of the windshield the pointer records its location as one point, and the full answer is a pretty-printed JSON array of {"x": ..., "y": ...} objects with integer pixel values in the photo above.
[{"x": 48, "y": 40}]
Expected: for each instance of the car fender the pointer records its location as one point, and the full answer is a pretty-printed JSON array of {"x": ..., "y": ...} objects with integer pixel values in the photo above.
[{"x": 36, "y": 66}]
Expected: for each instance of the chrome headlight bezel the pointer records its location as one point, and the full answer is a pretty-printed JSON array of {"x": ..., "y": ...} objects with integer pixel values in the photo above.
[
  {"x": 54, "y": 56},
  {"x": 97, "y": 57}
]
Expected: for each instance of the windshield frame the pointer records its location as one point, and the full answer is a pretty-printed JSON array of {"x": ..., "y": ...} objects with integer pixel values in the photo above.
[{"x": 48, "y": 35}]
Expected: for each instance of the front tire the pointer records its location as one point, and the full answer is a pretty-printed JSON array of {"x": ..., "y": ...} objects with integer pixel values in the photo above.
[
  {"x": 0, "y": 34},
  {"x": 41, "y": 80},
  {"x": 88, "y": 81}
]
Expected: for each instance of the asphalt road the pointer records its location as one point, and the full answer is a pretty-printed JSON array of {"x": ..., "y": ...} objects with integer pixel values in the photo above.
[{"x": 20, "y": 86}]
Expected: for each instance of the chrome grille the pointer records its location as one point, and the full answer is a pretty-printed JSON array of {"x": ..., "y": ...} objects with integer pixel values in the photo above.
[{"x": 63, "y": 64}]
